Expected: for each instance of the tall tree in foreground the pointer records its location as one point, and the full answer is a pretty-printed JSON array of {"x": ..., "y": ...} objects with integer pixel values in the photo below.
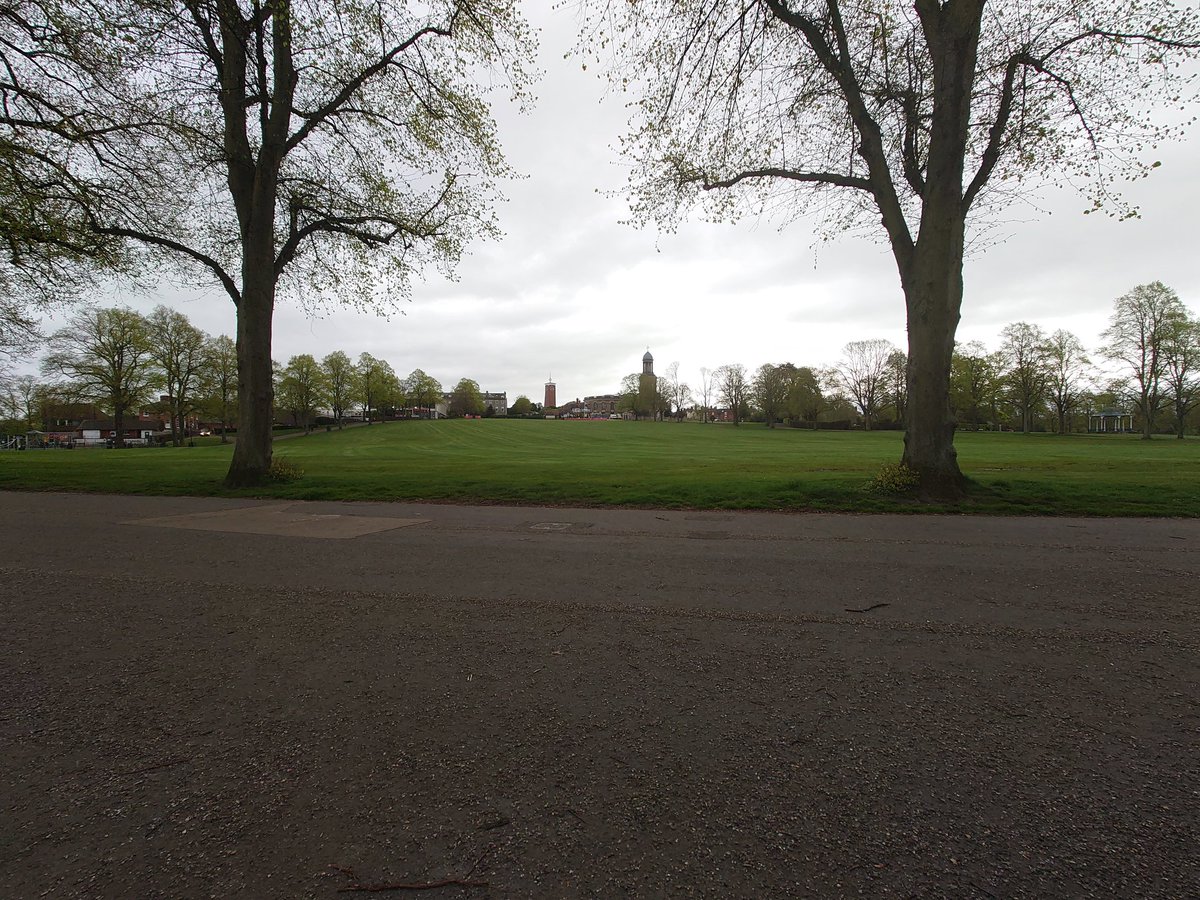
[
  {"x": 105, "y": 356},
  {"x": 913, "y": 114},
  {"x": 331, "y": 149},
  {"x": 1141, "y": 324}
]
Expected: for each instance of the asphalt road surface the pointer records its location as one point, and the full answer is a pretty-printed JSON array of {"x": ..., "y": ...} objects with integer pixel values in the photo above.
[{"x": 220, "y": 698}]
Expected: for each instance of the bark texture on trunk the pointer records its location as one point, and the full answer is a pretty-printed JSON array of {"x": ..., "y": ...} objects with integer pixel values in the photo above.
[
  {"x": 1147, "y": 424},
  {"x": 933, "y": 312},
  {"x": 254, "y": 186},
  {"x": 256, "y": 386},
  {"x": 118, "y": 426},
  {"x": 251, "y": 462},
  {"x": 931, "y": 267}
]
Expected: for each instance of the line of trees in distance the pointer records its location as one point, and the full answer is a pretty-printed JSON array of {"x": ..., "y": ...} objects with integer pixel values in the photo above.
[
  {"x": 1031, "y": 381},
  {"x": 118, "y": 363},
  {"x": 342, "y": 150}
]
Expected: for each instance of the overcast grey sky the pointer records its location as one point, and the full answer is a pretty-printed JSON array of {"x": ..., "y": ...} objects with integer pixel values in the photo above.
[{"x": 572, "y": 293}]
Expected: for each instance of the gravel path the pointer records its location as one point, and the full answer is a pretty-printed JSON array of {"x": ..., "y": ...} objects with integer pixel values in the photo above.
[{"x": 598, "y": 703}]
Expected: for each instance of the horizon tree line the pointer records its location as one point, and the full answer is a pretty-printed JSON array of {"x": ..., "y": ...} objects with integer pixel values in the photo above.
[
  {"x": 118, "y": 359},
  {"x": 120, "y": 362},
  {"x": 1032, "y": 379}
]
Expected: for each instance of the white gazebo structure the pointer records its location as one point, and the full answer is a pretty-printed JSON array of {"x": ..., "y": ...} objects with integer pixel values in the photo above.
[{"x": 1110, "y": 420}]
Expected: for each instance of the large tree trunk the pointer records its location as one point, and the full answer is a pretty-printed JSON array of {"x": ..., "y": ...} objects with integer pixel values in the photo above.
[
  {"x": 931, "y": 271},
  {"x": 256, "y": 393},
  {"x": 118, "y": 426},
  {"x": 929, "y": 437},
  {"x": 254, "y": 187},
  {"x": 256, "y": 389},
  {"x": 933, "y": 294}
]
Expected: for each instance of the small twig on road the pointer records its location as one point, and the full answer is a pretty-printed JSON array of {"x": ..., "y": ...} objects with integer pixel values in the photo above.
[
  {"x": 482, "y": 856},
  {"x": 358, "y": 887},
  {"x": 869, "y": 608},
  {"x": 408, "y": 886},
  {"x": 581, "y": 819}
]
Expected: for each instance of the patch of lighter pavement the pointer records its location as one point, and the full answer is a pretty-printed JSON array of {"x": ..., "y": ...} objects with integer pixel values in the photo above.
[{"x": 286, "y": 520}]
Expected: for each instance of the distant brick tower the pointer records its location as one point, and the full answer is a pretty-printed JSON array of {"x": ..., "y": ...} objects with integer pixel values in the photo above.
[
  {"x": 551, "y": 396},
  {"x": 647, "y": 382},
  {"x": 647, "y": 402}
]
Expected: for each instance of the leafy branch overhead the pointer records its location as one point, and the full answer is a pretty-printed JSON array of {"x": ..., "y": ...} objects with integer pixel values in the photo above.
[
  {"x": 366, "y": 119},
  {"x": 333, "y": 149},
  {"x": 914, "y": 116},
  {"x": 775, "y": 96}
]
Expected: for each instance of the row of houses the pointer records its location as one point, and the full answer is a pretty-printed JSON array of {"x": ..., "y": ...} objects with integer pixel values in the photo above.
[{"x": 95, "y": 433}]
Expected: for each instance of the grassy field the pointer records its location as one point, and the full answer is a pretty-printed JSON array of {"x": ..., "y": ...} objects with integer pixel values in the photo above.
[{"x": 650, "y": 464}]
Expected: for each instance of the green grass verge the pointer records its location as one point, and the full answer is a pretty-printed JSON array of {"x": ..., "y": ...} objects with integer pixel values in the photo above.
[{"x": 651, "y": 465}]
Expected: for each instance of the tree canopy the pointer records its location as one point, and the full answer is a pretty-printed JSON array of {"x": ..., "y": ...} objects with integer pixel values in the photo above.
[
  {"x": 105, "y": 356},
  {"x": 1141, "y": 327},
  {"x": 466, "y": 399},
  {"x": 909, "y": 116},
  {"x": 325, "y": 150},
  {"x": 51, "y": 54}
]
